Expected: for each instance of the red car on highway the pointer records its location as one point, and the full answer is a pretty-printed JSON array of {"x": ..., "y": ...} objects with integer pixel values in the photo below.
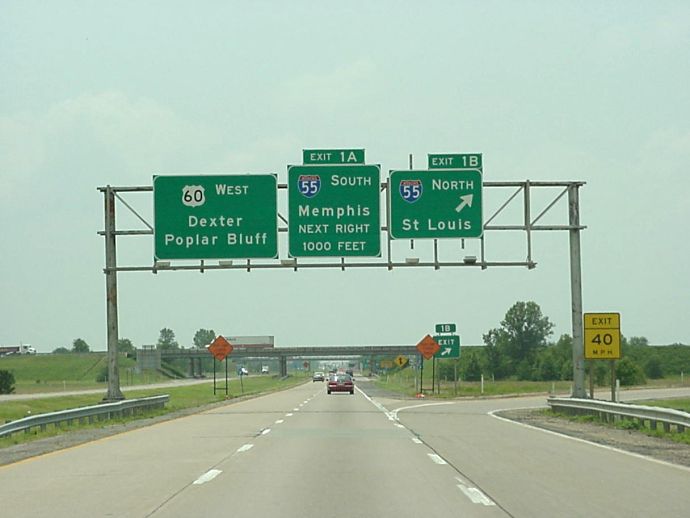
[{"x": 341, "y": 383}]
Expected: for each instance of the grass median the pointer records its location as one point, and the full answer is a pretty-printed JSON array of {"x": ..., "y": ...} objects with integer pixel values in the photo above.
[{"x": 181, "y": 398}]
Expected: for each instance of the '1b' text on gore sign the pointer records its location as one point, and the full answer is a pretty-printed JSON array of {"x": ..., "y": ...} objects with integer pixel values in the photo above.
[
  {"x": 215, "y": 216},
  {"x": 334, "y": 211}
]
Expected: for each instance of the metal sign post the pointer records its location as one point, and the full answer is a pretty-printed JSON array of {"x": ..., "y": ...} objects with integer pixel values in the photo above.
[{"x": 114, "y": 393}]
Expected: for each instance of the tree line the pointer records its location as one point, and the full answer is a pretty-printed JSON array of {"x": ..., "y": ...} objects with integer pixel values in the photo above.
[
  {"x": 520, "y": 349},
  {"x": 166, "y": 341}
]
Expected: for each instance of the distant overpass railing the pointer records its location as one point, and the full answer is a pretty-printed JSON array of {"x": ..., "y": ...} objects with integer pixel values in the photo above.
[
  {"x": 608, "y": 411},
  {"x": 300, "y": 352},
  {"x": 88, "y": 413}
]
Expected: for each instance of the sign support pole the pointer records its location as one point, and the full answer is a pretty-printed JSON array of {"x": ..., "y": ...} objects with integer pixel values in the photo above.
[
  {"x": 214, "y": 376},
  {"x": 114, "y": 392},
  {"x": 433, "y": 375},
  {"x": 421, "y": 377},
  {"x": 576, "y": 293}
]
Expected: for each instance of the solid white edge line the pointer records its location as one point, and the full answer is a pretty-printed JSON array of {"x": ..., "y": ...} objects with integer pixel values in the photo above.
[
  {"x": 585, "y": 441},
  {"x": 207, "y": 477},
  {"x": 245, "y": 447},
  {"x": 395, "y": 412}
]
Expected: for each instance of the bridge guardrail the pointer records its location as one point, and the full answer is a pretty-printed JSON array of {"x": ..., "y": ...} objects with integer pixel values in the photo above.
[
  {"x": 119, "y": 408},
  {"x": 609, "y": 411}
]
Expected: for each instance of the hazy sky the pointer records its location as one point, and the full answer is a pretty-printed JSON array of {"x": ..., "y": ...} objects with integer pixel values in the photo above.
[{"x": 97, "y": 93}]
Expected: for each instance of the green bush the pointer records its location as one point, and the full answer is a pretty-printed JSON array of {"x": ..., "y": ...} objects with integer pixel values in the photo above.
[
  {"x": 6, "y": 382},
  {"x": 629, "y": 372},
  {"x": 102, "y": 374},
  {"x": 653, "y": 369},
  {"x": 473, "y": 371}
]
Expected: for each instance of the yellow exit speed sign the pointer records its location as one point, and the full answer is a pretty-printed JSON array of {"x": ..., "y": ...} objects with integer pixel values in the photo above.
[{"x": 602, "y": 336}]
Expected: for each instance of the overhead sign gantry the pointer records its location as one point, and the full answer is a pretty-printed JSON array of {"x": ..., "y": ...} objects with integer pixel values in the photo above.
[{"x": 334, "y": 211}]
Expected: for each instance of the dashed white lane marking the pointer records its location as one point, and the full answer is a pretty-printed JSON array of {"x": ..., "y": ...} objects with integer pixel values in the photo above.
[
  {"x": 376, "y": 404},
  {"x": 246, "y": 447},
  {"x": 289, "y": 415},
  {"x": 295, "y": 409},
  {"x": 208, "y": 476},
  {"x": 280, "y": 421},
  {"x": 474, "y": 494},
  {"x": 436, "y": 458},
  {"x": 267, "y": 430}
]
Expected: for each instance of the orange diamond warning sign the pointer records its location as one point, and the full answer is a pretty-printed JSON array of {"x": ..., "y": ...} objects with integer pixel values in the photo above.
[
  {"x": 428, "y": 347},
  {"x": 220, "y": 348}
]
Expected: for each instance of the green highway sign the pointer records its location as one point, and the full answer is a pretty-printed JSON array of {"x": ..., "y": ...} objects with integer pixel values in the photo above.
[
  {"x": 332, "y": 156},
  {"x": 334, "y": 211},
  {"x": 445, "y": 328},
  {"x": 455, "y": 161},
  {"x": 215, "y": 216},
  {"x": 450, "y": 346},
  {"x": 437, "y": 203}
]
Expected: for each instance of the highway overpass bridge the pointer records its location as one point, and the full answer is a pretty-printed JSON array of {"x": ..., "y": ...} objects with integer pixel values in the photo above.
[{"x": 151, "y": 357}]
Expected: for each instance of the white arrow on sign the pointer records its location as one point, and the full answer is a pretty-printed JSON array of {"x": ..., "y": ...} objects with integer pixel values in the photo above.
[
  {"x": 446, "y": 351},
  {"x": 466, "y": 201}
]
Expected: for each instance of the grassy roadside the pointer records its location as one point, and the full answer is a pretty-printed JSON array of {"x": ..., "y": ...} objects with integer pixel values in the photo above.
[
  {"x": 181, "y": 398},
  {"x": 681, "y": 404},
  {"x": 403, "y": 382},
  {"x": 62, "y": 372}
]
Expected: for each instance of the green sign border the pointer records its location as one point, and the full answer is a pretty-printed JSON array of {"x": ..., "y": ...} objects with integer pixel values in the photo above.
[
  {"x": 439, "y": 328},
  {"x": 458, "y": 160},
  {"x": 456, "y": 343},
  {"x": 333, "y": 156},
  {"x": 259, "y": 215},
  {"x": 434, "y": 207},
  {"x": 335, "y": 197}
]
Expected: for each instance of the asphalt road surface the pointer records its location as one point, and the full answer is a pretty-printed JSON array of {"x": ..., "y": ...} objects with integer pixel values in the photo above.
[{"x": 301, "y": 453}]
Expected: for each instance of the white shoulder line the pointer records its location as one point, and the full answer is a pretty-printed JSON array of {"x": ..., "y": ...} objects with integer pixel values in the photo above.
[{"x": 604, "y": 446}]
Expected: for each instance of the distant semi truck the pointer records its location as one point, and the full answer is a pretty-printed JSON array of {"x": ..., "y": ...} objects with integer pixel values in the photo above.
[{"x": 6, "y": 350}]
